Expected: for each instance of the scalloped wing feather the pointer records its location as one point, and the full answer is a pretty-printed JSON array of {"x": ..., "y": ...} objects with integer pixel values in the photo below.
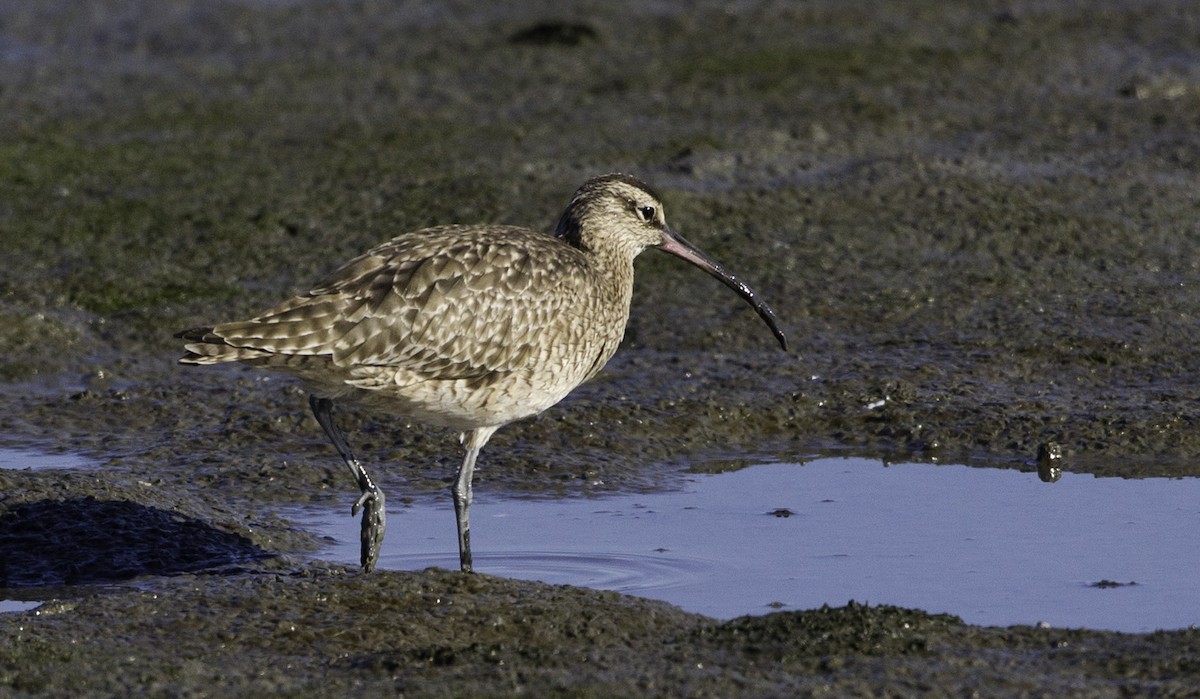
[{"x": 444, "y": 303}]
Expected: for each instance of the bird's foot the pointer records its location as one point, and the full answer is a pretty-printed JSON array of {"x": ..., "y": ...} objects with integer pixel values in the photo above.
[
  {"x": 464, "y": 557},
  {"x": 374, "y": 521}
]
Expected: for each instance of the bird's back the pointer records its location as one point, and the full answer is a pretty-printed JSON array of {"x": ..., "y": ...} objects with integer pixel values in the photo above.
[{"x": 457, "y": 325}]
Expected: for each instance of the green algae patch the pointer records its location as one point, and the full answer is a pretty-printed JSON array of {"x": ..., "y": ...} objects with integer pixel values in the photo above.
[
  {"x": 31, "y": 341},
  {"x": 769, "y": 68}
]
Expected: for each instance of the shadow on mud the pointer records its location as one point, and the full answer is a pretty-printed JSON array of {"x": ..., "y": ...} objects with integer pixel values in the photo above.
[{"x": 84, "y": 540}]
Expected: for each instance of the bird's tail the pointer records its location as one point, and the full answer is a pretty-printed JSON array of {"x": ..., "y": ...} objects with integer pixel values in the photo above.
[{"x": 206, "y": 347}]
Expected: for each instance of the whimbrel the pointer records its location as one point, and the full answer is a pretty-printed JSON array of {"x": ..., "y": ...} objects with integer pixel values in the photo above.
[{"x": 467, "y": 327}]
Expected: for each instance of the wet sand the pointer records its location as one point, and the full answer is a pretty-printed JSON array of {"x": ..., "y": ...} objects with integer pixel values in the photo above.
[{"x": 977, "y": 224}]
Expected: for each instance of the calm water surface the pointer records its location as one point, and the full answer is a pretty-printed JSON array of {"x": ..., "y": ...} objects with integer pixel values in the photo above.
[
  {"x": 994, "y": 546},
  {"x": 18, "y": 459}
]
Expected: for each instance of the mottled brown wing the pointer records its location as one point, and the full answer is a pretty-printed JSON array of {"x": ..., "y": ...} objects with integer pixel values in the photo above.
[{"x": 448, "y": 303}]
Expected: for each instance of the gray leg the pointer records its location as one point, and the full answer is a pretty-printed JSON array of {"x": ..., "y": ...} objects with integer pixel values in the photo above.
[
  {"x": 463, "y": 496},
  {"x": 371, "y": 500}
]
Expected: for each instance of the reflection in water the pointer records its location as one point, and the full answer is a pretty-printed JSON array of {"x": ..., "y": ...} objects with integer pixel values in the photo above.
[{"x": 993, "y": 546}]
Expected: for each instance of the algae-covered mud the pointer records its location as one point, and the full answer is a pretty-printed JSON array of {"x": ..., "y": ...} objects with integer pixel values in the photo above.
[{"x": 977, "y": 224}]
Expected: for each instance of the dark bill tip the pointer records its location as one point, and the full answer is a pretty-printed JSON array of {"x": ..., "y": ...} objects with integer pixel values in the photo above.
[{"x": 676, "y": 245}]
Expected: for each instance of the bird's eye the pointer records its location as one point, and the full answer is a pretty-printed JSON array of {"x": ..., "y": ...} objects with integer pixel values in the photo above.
[{"x": 646, "y": 213}]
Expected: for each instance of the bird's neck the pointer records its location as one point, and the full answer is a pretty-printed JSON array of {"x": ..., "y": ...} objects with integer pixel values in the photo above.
[{"x": 614, "y": 273}]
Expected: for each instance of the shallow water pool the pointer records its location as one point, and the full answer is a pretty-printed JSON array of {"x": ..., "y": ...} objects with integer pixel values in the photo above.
[
  {"x": 994, "y": 546},
  {"x": 18, "y": 459}
]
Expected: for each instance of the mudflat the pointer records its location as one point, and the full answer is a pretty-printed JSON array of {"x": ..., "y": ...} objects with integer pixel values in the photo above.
[{"x": 977, "y": 225}]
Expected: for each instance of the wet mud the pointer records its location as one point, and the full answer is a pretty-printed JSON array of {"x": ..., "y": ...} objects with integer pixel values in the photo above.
[{"x": 976, "y": 223}]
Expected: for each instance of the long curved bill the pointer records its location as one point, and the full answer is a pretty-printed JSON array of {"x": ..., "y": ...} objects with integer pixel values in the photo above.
[{"x": 676, "y": 245}]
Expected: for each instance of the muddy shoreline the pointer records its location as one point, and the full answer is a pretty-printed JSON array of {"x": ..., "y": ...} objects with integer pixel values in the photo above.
[{"x": 977, "y": 225}]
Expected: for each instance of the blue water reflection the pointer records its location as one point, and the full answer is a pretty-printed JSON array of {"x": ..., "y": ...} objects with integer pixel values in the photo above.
[
  {"x": 19, "y": 459},
  {"x": 994, "y": 546}
]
